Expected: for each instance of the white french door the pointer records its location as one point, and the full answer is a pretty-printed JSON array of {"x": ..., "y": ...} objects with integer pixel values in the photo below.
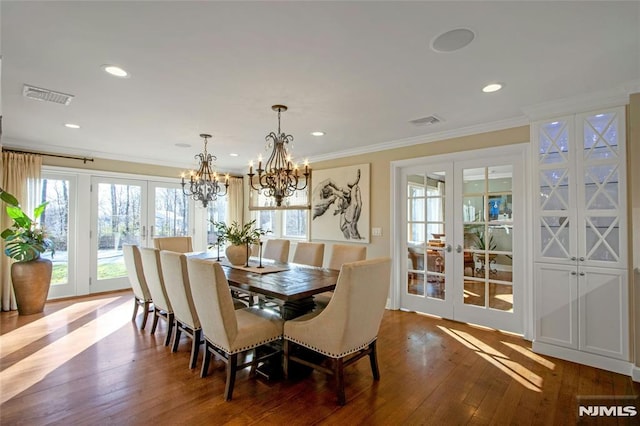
[
  {"x": 130, "y": 211},
  {"x": 463, "y": 250}
]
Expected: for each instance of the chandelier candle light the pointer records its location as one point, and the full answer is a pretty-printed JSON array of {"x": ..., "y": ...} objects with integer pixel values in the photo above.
[
  {"x": 279, "y": 178},
  {"x": 204, "y": 183}
]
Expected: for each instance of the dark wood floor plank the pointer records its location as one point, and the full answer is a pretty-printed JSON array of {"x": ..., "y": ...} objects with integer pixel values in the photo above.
[{"x": 433, "y": 371}]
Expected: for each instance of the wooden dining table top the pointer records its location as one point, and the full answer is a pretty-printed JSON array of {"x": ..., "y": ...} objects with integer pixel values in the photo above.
[{"x": 294, "y": 283}]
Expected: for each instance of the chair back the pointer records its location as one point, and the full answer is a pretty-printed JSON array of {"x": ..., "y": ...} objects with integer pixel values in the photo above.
[
  {"x": 352, "y": 318},
  {"x": 345, "y": 253},
  {"x": 309, "y": 254},
  {"x": 155, "y": 281},
  {"x": 133, "y": 263},
  {"x": 213, "y": 302},
  {"x": 176, "y": 280},
  {"x": 177, "y": 244},
  {"x": 277, "y": 250}
]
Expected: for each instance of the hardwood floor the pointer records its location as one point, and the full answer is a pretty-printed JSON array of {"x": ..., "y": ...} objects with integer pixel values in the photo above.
[{"x": 84, "y": 362}]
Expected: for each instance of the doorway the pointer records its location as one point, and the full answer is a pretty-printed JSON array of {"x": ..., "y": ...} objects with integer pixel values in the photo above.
[{"x": 461, "y": 227}]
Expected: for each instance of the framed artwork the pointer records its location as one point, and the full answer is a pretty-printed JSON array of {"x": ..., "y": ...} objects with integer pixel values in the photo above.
[{"x": 340, "y": 204}]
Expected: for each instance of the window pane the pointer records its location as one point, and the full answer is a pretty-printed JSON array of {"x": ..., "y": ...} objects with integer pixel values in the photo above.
[
  {"x": 295, "y": 223},
  {"x": 216, "y": 212},
  {"x": 266, "y": 219},
  {"x": 55, "y": 219},
  {"x": 172, "y": 213}
]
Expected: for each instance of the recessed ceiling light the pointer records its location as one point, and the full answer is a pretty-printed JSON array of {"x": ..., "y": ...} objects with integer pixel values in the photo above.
[
  {"x": 183, "y": 145},
  {"x": 72, "y": 126},
  {"x": 452, "y": 40},
  {"x": 233, "y": 154},
  {"x": 493, "y": 87},
  {"x": 317, "y": 133},
  {"x": 115, "y": 71}
]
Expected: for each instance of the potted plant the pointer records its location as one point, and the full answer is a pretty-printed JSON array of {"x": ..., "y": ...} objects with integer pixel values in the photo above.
[
  {"x": 240, "y": 237},
  {"x": 25, "y": 241}
]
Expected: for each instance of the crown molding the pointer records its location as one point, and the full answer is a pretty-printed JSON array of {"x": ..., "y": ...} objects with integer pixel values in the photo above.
[
  {"x": 422, "y": 139},
  {"x": 10, "y": 143},
  {"x": 596, "y": 100}
]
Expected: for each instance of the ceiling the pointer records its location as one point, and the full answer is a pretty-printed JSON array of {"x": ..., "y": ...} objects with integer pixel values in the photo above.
[{"x": 359, "y": 71}]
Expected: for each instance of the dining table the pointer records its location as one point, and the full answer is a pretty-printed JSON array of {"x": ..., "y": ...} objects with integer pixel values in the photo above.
[{"x": 291, "y": 285}]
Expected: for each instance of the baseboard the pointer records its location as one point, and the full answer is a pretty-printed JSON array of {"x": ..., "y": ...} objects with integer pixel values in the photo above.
[{"x": 592, "y": 360}]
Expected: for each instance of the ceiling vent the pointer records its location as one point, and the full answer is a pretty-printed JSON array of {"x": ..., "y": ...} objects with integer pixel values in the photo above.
[
  {"x": 40, "y": 94},
  {"x": 426, "y": 121}
]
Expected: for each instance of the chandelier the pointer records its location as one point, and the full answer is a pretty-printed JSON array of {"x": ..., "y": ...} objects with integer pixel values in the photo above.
[
  {"x": 204, "y": 184},
  {"x": 279, "y": 178}
]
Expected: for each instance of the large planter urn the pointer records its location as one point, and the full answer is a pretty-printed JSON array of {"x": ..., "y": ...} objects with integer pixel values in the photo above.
[
  {"x": 237, "y": 255},
  {"x": 31, "y": 281}
]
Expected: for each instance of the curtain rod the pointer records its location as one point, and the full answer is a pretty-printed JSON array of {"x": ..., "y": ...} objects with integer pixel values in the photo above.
[{"x": 70, "y": 157}]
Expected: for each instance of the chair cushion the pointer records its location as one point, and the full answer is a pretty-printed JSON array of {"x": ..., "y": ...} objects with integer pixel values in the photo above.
[{"x": 253, "y": 330}]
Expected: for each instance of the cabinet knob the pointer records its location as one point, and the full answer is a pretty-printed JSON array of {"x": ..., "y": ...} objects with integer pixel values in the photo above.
[
  {"x": 581, "y": 259},
  {"x": 582, "y": 274},
  {"x": 574, "y": 273},
  {"x": 458, "y": 248},
  {"x": 573, "y": 258}
]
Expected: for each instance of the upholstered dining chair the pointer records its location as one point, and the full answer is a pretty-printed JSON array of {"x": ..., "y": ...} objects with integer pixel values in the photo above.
[
  {"x": 340, "y": 254},
  {"x": 309, "y": 254},
  {"x": 277, "y": 249},
  {"x": 176, "y": 279},
  {"x": 176, "y": 244},
  {"x": 155, "y": 281},
  {"x": 141, "y": 294},
  {"x": 347, "y": 329},
  {"x": 228, "y": 332}
]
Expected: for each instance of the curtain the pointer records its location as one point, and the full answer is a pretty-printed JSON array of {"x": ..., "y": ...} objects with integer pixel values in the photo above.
[
  {"x": 20, "y": 177},
  {"x": 235, "y": 211}
]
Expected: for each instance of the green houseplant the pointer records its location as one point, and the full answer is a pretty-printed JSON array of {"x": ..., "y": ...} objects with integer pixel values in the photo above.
[
  {"x": 25, "y": 241},
  {"x": 239, "y": 237}
]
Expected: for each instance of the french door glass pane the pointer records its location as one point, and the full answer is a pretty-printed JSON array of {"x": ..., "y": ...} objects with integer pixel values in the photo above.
[
  {"x": 55, "y": 219},
  {"x": 487, "y": 212},
  {"x": 119, "y": 215},
  {"x": 171, "y": 213}
]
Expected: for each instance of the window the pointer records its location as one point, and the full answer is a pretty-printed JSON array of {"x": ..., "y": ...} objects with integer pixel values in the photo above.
[
  {"x": 291, "y": 224},
  {"x": 216, "y": 212}
]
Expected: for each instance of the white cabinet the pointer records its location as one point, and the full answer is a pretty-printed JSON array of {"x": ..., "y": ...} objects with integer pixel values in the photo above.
[
  {"x": 580, "y": 237},
  {"x": 583, "y": 308}
]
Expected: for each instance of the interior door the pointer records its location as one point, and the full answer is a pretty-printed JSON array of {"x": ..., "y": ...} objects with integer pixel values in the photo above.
[
  {"x": 118, "y": 206},
  {"x": 462, "y": 240},
  {"x": 429, "y": 279},
  {"x": 488, "y": 231}
]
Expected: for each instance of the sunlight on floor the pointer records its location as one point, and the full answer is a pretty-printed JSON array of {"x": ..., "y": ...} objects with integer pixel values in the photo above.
[
  {"x": 29, "y": 333},
  {"x": 535, "y": 357},
  {"x": 32, "y": 369},
  {"x": 516, "y": 371}
]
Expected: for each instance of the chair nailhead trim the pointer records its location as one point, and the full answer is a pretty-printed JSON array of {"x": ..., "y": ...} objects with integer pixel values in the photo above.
[
  {"x": 323, "y": 352},
  {"x": 246, "y": 348}
]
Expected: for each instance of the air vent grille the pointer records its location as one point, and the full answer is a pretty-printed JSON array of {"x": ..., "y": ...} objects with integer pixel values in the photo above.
[
  {"x": 426, "y": 121},
  {"x": 46, "y": 95}
]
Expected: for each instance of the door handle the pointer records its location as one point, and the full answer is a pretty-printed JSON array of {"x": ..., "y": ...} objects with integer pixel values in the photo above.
[
  {"x": 151, "y": 227},
  {"x": 458, "y": 248},
  {"x": 144, "y": 232},
  {"x": 449, "y": 248}
]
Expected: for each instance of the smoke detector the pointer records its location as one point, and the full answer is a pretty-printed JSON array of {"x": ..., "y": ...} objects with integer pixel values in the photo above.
[
  {"x": 426, "y": 121},
  {"x": 46, "y": 95}
]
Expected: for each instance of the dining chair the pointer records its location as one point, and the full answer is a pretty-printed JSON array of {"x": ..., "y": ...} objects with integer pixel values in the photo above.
[
  {"x": 176, "y": 279},
  {"x": 309, "y": 254},
  {"x": 340, "y": 254},
  {"x": 347, "y": 329},
  {"x": 155, "y": 281},
  {"x": 276, "y": 249},
  {"x": 230, "y": 333},
  {"x": 141, "y": 294},
  {"x": 176, "y": 244}
]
